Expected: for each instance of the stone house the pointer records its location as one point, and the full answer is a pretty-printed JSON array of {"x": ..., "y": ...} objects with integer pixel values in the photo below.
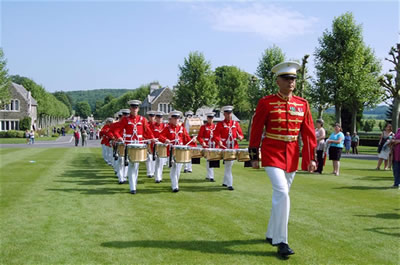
[
  {"x": 22, "y": 105},
  {"x": 159, "y": 99}
]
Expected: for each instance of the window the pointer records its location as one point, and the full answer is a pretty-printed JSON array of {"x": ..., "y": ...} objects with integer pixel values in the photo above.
[
  {"x": 7, "y": 125},
  {"x": 16, "y": 104},
  {"x": 3, "y": 125},
  {"x": 12, "y": 125},
  {"x": 12, "y": 105}
]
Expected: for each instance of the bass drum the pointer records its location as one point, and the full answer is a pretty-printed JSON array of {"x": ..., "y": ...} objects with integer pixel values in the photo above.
[{"x": 192, "y": 125}]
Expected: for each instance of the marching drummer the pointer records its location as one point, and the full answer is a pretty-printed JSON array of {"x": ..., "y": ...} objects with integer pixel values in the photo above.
[
  {"x": 207, "y": 140},
  {"x": 175, "y": 134},
  {"x": 188, "y": 166},
  {"x": 105, "y": 141},
  {"x": 157, "y": 128},
  {"x": 136, "y": 130},
  {"x": 283, "y": 116},
  {"x": 150, "y": 162},
  {"x": 114, "y": 156},
  {"x": 226, "y": 134},
  {"x": 120, "y": 167}
]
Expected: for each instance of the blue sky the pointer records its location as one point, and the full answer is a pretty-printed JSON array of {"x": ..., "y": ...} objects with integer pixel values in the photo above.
[{"x": 83, "y": 45}]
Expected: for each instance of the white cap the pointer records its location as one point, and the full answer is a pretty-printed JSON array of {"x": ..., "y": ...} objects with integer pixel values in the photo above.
[
  {"x": 227, "y": 108},
  {"x": 159, "y": 113},
  {"x": 210, "y": 114},
  {"x": 187, "y": 113},
  {"x": 125, "y": 111},
  {"x": 134, "y": 102},
  {"x": 109, "y": 120},
  {"x": 286, "y": 69},
  {"x": 151, "y": 112},
  {"x": 175, "y": 113}
]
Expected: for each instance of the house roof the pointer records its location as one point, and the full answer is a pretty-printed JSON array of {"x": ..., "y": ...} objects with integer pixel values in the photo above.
[
  {"x": 152, "y": 96},
  {"x": 24, "y": 93}
]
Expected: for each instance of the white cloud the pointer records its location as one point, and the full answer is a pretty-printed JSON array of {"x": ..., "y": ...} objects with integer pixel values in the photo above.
[{"x": 269, "y": 21}]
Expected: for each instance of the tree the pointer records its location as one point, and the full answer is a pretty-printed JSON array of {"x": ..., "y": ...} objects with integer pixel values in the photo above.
[
  {"x": 232, "y": 85},
  {"x": 303, "y": 86},
  {"x": 392, "y": 85},
  {"x": 82, "y": 109},
  {"x": 319, "y": 98},
  {"x": 5, "y": 81},
  {"x": 368, "y": 125},
  {"x": 108, "y": 99},
  {"x": 64, "y": 98},
  {"x": 271, "y": 57},
  {"x": 196, "y": 86},
  {"x": 345, "y": 67}
]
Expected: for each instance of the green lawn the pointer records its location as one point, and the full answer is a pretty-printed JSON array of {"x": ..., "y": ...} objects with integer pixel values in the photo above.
[
  {"x": 23, "y": 140},
  {"x": 63, "y": 205}
]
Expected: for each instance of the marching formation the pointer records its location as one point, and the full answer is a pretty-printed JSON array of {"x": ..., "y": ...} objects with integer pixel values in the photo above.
[{"x": 278, "y": 122}]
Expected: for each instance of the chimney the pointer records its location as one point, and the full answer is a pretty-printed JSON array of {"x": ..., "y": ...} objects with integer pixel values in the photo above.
[{"x": 154, "y": 86}]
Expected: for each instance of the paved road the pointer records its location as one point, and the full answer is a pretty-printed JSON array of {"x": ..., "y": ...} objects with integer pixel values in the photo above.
[
  {"x": 62, "y": 141},
  {"x": 68, "y": 141}
]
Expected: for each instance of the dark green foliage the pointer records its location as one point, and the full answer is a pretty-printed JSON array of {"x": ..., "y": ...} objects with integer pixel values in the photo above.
[
  {"x": 64, "y": 98},
  {"x": 82, "y": 109},
  {"x": 368, "y": 125},
  {"x": 4, "y": 81},
  {"x": 271, "y": 57},
  {"x": 25, "y": 123},
  {"x": 389, "y": 114},
  {"x": 92, "y": 96}
]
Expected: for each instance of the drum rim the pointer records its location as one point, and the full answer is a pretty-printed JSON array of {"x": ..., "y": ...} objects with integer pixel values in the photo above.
[{"x": 136, "y": 145}]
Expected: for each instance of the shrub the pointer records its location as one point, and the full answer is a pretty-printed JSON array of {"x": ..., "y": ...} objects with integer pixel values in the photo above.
[
  {"x": 3, "y": 134},
  {"x": 20, "y": 134},
  {"x": 11, "y": 134},
  {"x": 55, "y": 135},
  {"x": 25, "y": 124}
]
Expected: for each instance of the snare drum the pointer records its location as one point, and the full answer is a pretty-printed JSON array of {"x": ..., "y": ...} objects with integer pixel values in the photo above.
[
  {"x": 196, "y": 152},
  {"x": 229, "y": 154},
  {"x": 213, "y": 154},
  {"x": 243, "y": 155},
  {"x": 161, "y": 150},
  {"x": 121, "y": 149},
  {"x": 137, "y": 152},
  {"x": 182, "y": 154}
]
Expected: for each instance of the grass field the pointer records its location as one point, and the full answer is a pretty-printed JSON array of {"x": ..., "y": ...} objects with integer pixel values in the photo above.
[
  {"x": 66, "y": 207},
  {"x": 23, "y": 140}
]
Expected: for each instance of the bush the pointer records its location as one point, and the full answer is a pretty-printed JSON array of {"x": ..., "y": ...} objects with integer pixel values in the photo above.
[
  {"x": 11, "y": 134},
  {"x": 25, "y": 124},
  {"x": 55, "y": 135},
  {"x": 3, "y": 134},
  {"x": 20, "y": 134}
]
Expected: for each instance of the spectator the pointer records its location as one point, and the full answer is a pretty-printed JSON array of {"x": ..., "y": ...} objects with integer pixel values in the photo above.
[
  {"x": 336, "y": 140},
  {"x": 383, "y": 155},
  {"x": 320, "y": 134},
  {"x": 32, "y": 137},
  {"x": 54, "y": 130},
  {"x": 58, "y": 131},
  {"x": 63, "y": 131},
  {"x": 76, "y": 135},
  {"x": 27, "y": 136},
  {"x": 395, "y": 144},
  {"x": 84, "y": 138},
  {"x": 355, "y": 139},
  {"x": 347, "y": 142}
]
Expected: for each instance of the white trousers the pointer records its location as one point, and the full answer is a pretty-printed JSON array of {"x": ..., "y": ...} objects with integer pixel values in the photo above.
[
  {"x": 133, "y": 170},
  {"x": 228, "y": 178},
  {"x": 104, "y": 152},
  {"x": 109, "y": 155},
  {"x": 159, "y": 166},
  {"x": 175, "y": 172},
  {"x": 188, "y": 166},
  {"x": 210, "y": 171},
  {"x": 278, "y": 222},
  {"x": 122, "y": 169},
  {"x": 150, "y": 165}
]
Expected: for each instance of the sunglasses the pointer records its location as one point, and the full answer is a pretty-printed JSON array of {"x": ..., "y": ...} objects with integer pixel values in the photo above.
[
  {"x": 151, "y": 115},
  {"x": 159, "y": 116},
  {"x": 134, "y": 106}
]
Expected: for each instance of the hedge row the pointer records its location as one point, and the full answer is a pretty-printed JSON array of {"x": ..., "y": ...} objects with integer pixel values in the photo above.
[{"x": 12, "y": 134}]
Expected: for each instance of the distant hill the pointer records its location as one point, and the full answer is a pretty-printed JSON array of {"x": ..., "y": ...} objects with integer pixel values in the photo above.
[
  {"x": 92, "y": 96},
  {"x": 378, "y": 112}
]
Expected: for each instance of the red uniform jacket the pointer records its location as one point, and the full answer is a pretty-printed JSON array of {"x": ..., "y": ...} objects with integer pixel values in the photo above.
[
  {"x": 103, "y": 135},
  {"x": 283, "y": 118},
  {"x": 111, "y": 132},
  {"x": 156, "y": 129},
  {"x": 228, "y": 132},
  {"x": 133, "y": 129},
  {"x": 206, "y": 135}
]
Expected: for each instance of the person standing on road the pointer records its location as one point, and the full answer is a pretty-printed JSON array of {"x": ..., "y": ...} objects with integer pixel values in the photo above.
[
  {"x": 76, "y": 136},
  {"x": 355, "y": 139}
]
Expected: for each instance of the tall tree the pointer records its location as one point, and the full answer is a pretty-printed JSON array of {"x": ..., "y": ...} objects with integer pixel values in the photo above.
[
  {"x": 271, "y": 57},
  {"x": 82, "y": 109},
  {"x": 319, "y": 97},
  {"x": 302, "y": 83},
  {"x": 196, "y": 86},
  {"x": 64, "y": 98},
  {"x": 232, "y": 85},
  {"x": 392, "y": 85},
  {"x": 340, "y": 59},
  {"x": 5, "y": 81}
]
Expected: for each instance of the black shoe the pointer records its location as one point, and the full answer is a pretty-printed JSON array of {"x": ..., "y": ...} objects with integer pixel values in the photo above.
[
  {"x": 157, "y": 181},
  {"x": 133, "y": 191},
  {"x": 185, "y": 171},
  {"x": 121, "y": 182},
  {"x": 269, "y": 240},
  {"x": 149, "y": 176},
  {"x": 212, "y": 180},
  {"x": 175, "y": 190},
  {"x": 230, "y": 188},
  {"x": 224, "y": 185},
  {"x": 284, "y": 250},
  {"x": 189, "y": 171}
]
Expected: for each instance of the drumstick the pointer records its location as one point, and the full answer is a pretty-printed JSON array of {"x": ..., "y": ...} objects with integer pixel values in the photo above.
[{"x": 194, "y": 137}]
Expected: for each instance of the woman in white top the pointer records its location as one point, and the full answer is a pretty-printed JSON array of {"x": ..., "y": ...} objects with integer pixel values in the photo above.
[
  {"x": 384, "y": 153},
  {"x": 320, "y": 134}
]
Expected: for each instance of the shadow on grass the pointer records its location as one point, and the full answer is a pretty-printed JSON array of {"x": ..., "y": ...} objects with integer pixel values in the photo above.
[
  {"x": 362, "y": 188},
  {"x": 382, "y": 215},
  {"x": 380, "y": 230},
  {"x": 376, "y": 178},
  {"x": 210, "y": 247}
]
